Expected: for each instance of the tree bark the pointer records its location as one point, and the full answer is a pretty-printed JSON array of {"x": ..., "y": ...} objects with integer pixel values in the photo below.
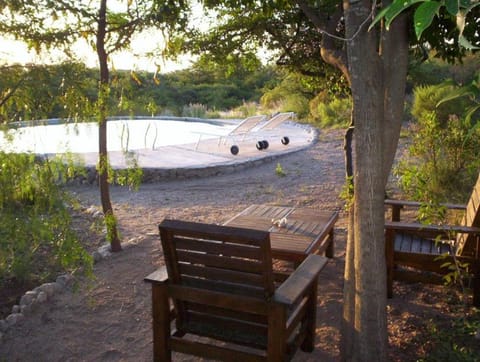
[
  {"x": 348, "y": 332},
  {"x": 103, "y": 166},
  {"x": 394, "y": 52},
  {"x": 377, "y": 66}
]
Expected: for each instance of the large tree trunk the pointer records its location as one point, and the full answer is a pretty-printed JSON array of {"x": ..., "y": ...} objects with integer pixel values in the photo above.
[
  {"x": 110, "y": 221},
  {"x": 377, "y": 77}
]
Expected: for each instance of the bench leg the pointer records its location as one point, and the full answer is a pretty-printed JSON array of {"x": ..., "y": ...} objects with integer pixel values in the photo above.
[
  {"x": 310, "y": 318},
  {"x": 161, "y": 323},
  {"x": 276, "y": 345},
  {"x": 331, "y": 245},
  {"x": 476, "y": 289},
  {"x": 389, "y": 251}
]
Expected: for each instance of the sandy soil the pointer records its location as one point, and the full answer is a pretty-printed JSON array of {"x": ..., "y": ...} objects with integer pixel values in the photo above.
[{"x": 108, "y": 318}]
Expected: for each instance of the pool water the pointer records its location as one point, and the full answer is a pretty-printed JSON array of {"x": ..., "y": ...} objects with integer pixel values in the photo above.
[{"x": 123, "y": 135}]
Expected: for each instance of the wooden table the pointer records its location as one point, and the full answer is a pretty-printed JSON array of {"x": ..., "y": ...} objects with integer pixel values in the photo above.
[{"x": 307, "y": 230}]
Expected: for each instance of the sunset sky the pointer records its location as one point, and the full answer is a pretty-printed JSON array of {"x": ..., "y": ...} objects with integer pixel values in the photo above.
[{"x": 12, "y": 51}]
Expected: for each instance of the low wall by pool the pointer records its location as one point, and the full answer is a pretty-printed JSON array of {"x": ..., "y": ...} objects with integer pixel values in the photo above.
[{"x": 165, "y": 147}]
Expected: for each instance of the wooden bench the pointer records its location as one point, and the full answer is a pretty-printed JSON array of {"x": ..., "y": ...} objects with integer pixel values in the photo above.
[
  {"x": 427, "y": 249},
  {"x": 220, "y": 282}
]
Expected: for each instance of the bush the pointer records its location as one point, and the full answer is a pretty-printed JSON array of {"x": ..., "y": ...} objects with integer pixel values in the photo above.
[
  {"x": 36, "y": 237},
  {"x": 436, "y": 71},
  {"x": 426, "y": 99},
  {"x": 334, "y": 113},
  {"x": 444, "y": 159},
  {"x": 247, "y": 109},
  {"x": 288, "y": 96},
  {"x": 194, "y": 110}
]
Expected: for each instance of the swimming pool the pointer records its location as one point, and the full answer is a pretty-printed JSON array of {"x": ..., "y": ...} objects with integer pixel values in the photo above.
[{"x": 123, "y": 135}]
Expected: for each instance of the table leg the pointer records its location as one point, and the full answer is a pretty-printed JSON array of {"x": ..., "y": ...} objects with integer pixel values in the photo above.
[{"x": 330, "y": 250}]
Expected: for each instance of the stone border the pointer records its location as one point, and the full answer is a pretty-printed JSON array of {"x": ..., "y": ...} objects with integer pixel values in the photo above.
[
  {"x": 32, "y": 298},
  {"x": 46, "y": 291}
]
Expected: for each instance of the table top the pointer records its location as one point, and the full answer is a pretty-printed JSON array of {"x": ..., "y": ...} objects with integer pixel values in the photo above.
[{"x": 305, "y": 232}]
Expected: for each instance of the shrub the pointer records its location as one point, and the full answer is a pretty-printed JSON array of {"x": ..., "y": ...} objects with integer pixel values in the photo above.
[
  {"x": 247, "y": 109},
  {"x": 426, "y": 99},
  {"x": 334, "y": 113},
  {"x": 288, "y": 96},
  {"x": 444, "y": 156},
  {"x": 194, "y": 110},
  {"x": 443, "y": 159},
  {"x": 36, "y": 237}
]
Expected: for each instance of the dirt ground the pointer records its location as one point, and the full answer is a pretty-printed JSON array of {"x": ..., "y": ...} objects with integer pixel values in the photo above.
[{"x": 108, "y": 318}]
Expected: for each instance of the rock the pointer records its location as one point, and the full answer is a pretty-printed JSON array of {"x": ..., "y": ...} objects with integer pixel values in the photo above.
[
  {"x": 14, "y": 318},
  {"x": 97, "y": 256},
  {"x": 28, "y": 297},
  {"x": 104, "y": 250},
  {"x": 25, "y": 309},
  {"x": 49, "y": 288},
  {"x": 16, "y": 309},
  {"x": 64, "y": 280},
  {"x": 42, "y": 297},
  {"x": 97, "y": 214},
  {"x": 3, "y": 325},
  {"x": 91, "y": 210}
]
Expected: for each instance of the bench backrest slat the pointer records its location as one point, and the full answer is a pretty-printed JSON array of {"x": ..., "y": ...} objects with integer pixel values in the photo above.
[
  {"x": 217, "y": 255},
  {"x": 466, "y": 243}
]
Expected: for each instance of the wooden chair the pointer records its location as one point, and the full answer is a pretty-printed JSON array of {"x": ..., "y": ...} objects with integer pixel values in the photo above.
[
  {"x": 427, "y": 248},
  {"x": 221, "y": 285}
]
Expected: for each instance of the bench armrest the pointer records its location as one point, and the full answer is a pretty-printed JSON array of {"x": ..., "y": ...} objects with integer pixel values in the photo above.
[
  {"x": 416, "y": 204},
  {"x": 158, "y": 276},
  {"x": 294, "y": 288},
  {"x": 445, "y": 229}
]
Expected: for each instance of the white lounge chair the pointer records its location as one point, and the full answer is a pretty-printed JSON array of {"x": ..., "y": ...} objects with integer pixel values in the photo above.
[
  {"x": 245, "y": 126},
  {"x": 241, "y": 130},
  {"x": 270, "y": 125}
]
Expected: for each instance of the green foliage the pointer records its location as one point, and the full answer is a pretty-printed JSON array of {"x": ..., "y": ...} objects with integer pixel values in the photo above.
[
  {"x": 36, "y": 237},
  {"x": 280, "y": 28},
  {"x": 66, "y": 90},
  {"x": 279, "y": 171},
  {"x": 70, "y": 91},
  {"x": 426, "y": 101},
  {"x": 334, "y": 113},
  {"x": 346, "y": 193},
  {"x": 130, "y": 176},
  {"x": 111, "y": 225},
  {"x": 194, "y": 110},
  {"x": 290, "y": 95},
  {"x": 444, "y": 156},
  {"x": 432, "y": 71},
  {"x": 455, "y": 342},
  {"x": 464, "y": 13},
  {"x": 247, "y": 109},
  {"x": 471, "y": 92},
  {"x": 436, "y": 71}
]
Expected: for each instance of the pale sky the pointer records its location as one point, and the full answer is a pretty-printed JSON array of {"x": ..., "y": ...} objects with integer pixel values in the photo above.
[{"x": 12, "y": 51}]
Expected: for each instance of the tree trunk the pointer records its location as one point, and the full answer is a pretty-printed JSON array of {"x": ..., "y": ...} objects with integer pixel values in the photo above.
[
  {"x": 377, "y": 74},
  {"x": 394, "y": 52},
  {"x": 103, "y": 166},
  {"x": 348, "y": 332}
]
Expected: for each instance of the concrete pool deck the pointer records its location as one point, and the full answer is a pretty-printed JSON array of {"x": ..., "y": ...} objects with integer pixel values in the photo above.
[{"x": 210, "y": 157}]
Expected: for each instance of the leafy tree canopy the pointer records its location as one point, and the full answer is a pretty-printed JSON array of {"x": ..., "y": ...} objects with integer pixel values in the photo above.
[
  {"x": 299, "y": 34},
  {"x": 58, "y": 24}
]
